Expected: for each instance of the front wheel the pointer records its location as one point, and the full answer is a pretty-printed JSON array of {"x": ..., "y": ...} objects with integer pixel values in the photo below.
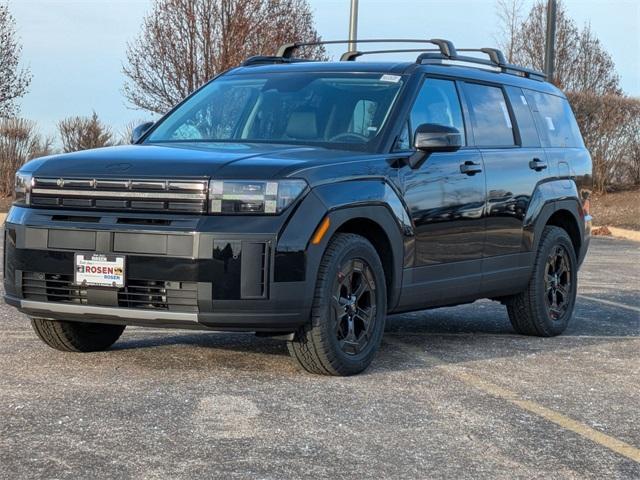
[
  {"x": 545, "y": 307},
  {"x": 348, "y": 313},
  {"x": 76, "y": 336}
]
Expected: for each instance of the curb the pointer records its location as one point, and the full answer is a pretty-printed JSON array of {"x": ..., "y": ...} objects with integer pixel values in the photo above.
[{"x": 632, "y": 235}]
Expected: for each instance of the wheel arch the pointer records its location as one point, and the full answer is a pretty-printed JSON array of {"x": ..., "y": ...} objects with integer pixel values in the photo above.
[
  {"x": 376, "y": 224},
  {"x": 565, "y": 219},
  {"x": 564, "y": 213},
  {"x": 368, "y": 207},
  {"x": 378, "y": 237}
]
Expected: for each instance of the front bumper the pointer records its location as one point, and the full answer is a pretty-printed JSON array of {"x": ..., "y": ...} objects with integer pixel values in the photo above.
[{"x": 182, "y": 271}]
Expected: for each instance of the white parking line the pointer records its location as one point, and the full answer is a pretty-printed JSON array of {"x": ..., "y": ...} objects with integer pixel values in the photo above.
[{"x": 609, "y": 302}]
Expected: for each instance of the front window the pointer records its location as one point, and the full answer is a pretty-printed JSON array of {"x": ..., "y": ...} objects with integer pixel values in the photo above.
[{"x": 340, "y": 110}]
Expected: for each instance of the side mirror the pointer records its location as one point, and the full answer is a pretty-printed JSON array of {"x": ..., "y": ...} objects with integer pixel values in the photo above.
[
  {"x": 138, "y": 132},
  {"x": 430, "y": 138}
]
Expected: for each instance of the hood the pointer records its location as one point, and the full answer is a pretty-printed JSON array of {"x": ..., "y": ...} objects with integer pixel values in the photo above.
[{"x": 188, "y": 160}]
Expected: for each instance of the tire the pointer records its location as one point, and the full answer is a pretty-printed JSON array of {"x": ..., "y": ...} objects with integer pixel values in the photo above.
[
  {"x": 347, "y": 322},
  {"x": 76, "y": 336},
  {"x": 546, "y": 306}
]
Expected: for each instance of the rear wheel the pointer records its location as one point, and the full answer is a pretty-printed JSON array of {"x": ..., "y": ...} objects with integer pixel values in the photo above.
[
  {"x": 349, "y": 310},
  {"x": 76, "y": 336},
  {"x": 546, "y": 306}
]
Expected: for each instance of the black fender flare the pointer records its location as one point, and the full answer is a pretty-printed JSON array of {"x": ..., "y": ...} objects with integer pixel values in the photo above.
[
  {"x": 547, "y": 199},
  {"x": 371, "y": 199}
]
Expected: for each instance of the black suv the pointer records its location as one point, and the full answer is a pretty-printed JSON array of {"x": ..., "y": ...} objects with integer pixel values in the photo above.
[{"x": 307, "y": 200}]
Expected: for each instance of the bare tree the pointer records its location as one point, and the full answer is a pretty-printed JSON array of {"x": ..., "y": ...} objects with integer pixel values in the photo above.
[
  {"x": 83, "y": 133},
  {"x": 581, "y": 62},
  {"x": 634, "y": 152},
  {"x": 510, "y": 16},
  {"x": 184, "y": 43},
  {"x": 13, "y": 80},
  {"x": 19, "y": 143}
]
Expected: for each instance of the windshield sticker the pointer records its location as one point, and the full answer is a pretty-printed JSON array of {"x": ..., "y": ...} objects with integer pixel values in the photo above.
[
  {"x": 550, "y": 124},
  {"x": 390, "y": 78},
  {"x": 524, "y": 100},
  {"x": 505, "y": 112}
]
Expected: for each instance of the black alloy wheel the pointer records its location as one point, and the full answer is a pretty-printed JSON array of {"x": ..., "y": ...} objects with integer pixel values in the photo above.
[
  {"x": 557, "y": 282},
  {"x": 354, "y": 306}
]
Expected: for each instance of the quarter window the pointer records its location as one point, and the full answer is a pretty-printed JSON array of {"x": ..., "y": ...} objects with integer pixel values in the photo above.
[
  {"x": 490, "y": 116},
  {"x": 555, "y": 120}
]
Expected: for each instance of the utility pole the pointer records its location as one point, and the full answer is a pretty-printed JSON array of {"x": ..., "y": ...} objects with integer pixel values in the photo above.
[
  {"x": 353, "y": 26},
  {"x": 550, "y": 41}
]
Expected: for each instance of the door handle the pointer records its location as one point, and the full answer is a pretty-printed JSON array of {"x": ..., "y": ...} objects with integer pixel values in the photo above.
[
  {"x": 470, "y": 168},
  {"x": 537, "y": 165}
]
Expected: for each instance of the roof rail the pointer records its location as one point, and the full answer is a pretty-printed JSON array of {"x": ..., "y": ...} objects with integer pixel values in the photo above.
[
  {"x": 350, "y": 56},
  {"x": 445, "y": 51},
  {"x": 496, "y": 60},
  {"x": 445, "y": 47}
]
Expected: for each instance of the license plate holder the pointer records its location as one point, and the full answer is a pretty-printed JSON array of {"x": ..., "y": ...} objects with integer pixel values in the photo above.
[{"x": 99, "y": 270}]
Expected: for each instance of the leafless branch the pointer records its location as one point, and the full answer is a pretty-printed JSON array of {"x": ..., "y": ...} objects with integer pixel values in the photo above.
[{"x": 184, "y": 43}]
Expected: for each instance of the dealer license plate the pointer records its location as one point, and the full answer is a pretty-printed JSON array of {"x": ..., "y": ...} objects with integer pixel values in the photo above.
[{"x": 99, "y": 270}]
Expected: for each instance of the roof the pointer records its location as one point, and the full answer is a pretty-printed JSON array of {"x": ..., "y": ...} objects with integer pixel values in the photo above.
[{"x": 401, "y": 68}]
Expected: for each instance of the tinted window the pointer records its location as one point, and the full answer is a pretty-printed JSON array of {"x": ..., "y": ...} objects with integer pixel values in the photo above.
[
  {"x": 555, "y": 120},
  {"x": 437, "y": 103},
  {"x": 489, "y": 116},
  {"x": 299, "y": 108},
  {"x": 524, "y": 117}
]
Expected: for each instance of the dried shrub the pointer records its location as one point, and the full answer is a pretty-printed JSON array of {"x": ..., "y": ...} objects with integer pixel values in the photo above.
[
  {"x": 83, "y": 133},
  {"x": 19, "y": 143},
  {"x": 610, "y": 126}
]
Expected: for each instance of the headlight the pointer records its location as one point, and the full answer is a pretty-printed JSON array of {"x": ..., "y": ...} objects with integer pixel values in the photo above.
[
  {"x": 253, "y": 197},
  {"x": 22, "y": 189}
]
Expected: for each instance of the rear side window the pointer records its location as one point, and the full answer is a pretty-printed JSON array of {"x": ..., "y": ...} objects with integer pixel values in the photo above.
[
  {"x": 555, "y": 120},
  {"x": 490, "y": 116}
]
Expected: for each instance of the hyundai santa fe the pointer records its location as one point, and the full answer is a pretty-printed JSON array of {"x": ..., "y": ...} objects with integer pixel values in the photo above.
[{"x": 307, "y": 200}]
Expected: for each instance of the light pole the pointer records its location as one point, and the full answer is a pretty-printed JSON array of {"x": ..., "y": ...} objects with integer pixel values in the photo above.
[
  {"x": 550, "y": 41},
  {"x": 353, "y": 26}
]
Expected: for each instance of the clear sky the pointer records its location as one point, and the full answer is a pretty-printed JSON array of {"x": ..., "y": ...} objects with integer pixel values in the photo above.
[{"x": 75, "y": 48}]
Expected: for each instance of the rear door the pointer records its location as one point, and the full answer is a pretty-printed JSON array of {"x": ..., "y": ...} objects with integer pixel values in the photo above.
[{"x": 505, "y": 132}]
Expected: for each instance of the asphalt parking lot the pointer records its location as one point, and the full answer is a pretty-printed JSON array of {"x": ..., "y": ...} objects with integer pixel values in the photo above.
[{"x": 453, "y": 393}]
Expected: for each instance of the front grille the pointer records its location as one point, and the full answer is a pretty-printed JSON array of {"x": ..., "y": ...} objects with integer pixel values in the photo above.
[
  {"x": 184, "y": 196},
  {"x": 145, "y": 294},
  {"x": 46, "y": 287},
  {"x": 182, "y": 296}
]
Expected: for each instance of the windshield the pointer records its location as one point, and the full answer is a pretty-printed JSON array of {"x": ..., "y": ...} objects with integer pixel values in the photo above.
[{"x": 348, "y": 110}]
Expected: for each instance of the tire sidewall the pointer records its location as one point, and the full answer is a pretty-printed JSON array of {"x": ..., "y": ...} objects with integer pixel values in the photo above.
[{"x": 363, "y": 250}]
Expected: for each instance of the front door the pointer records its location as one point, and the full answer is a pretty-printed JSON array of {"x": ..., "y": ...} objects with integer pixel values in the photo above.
[{"x": 446, "y": 206}]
